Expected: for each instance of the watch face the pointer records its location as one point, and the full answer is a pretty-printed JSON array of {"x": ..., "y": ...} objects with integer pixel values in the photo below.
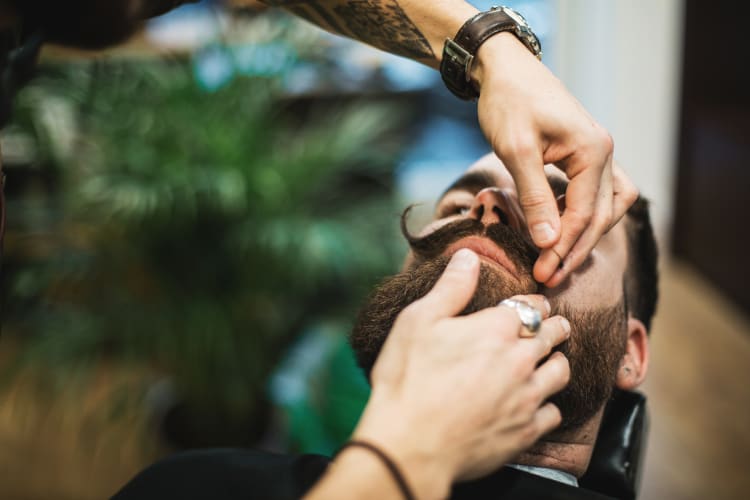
[
  {"x": 518, "y": 18},
  {"x": 524, "y": 32}
]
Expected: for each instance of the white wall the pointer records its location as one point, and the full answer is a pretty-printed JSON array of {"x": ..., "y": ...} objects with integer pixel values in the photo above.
[{"x": 622, "y": 60}]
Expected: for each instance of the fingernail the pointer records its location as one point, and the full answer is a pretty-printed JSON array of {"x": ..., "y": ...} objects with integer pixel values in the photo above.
[
  {"x": 464, "y": 259},
  {"x": 547, "y": 306},
  {"x": 565, "y": 325},
  {"x": 543, "y": 233}
]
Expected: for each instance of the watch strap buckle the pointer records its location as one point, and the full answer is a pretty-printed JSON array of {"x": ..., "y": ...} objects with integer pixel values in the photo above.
[{"x": 459, "y": 55}]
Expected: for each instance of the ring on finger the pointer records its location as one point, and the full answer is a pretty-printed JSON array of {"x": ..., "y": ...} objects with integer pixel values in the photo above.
[
  {"x": 560, "y": 259},
  {"x": 530, "y": 316}
]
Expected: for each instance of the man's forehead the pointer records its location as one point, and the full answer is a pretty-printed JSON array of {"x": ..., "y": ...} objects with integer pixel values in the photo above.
[{"x": 491, "y": 166}]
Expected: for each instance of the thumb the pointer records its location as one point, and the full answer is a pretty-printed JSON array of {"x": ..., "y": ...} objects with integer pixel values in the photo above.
[
  {"x": 536, "y": 198},
  {"x": 453, "y": 290}
]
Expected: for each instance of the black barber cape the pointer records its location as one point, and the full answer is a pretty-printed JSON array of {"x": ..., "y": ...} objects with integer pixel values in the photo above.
[{"x": 235, "y": 474}]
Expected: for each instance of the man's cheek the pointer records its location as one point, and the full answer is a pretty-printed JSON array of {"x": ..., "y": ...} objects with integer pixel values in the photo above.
[{"x": 586, "y": 291}]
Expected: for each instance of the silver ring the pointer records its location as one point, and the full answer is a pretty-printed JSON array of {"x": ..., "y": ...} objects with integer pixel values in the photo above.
[{"x": 530, "y": 317}]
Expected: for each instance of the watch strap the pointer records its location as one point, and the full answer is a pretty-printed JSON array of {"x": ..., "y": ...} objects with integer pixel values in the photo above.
[
  {"x": 480, "y": 27},
  {"x": 459, "y": 53}
]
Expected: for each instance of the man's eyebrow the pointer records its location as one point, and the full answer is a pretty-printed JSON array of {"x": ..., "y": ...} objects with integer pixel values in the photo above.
[{"x": 472, "y": 182}]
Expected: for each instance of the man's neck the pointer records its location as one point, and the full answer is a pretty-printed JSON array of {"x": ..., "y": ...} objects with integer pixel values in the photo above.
[{"x": 568, "y": 451}]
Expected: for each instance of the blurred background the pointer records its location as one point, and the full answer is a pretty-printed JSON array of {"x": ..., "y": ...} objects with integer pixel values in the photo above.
[{"x": 194, "y": 217}]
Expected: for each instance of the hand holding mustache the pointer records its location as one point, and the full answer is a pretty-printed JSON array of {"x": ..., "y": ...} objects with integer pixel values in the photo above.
[{"x": 496, "y": 405}]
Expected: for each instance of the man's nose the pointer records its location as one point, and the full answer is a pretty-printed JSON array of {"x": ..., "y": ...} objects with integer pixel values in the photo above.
[{"x": 496, "y": 206}]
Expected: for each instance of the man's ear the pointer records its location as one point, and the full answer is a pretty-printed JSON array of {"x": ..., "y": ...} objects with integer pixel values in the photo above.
[{"x": 634, "y": 364}]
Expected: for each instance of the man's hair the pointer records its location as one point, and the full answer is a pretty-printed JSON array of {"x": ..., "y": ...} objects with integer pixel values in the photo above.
[{"x": 641, "y": 276}]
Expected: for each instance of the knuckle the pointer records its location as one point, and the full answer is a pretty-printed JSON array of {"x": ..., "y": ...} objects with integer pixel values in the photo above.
[
  {"x": 500, "y": 314},
  {"x": 532, "y": 199},
  {"x": 517, "y": 371},
  {"x": 561, "y": 369},
  {"x": 601, "y": 220},
  {"x": 524, "y": 363},
  {"x": 578, "y": 219},
  {"x": 601, "y": 140},
  {"x": 595, "y": 148},
  {"x": 507, "y": 333},
  {"x": 530, "y": 433},
  {"x": 520, "y": 146},
  {"x": 606, "y": 141},
  {"x": 525, "y": 146},
  {"x": 529, "y": 406},
  {"x": 506, "y": 317},
  {"x": 545, "y": 341},
  {"x": 631, "y": 194},
  {"x": 547, "y": 344},
  {"x": 556, "y": 415}
]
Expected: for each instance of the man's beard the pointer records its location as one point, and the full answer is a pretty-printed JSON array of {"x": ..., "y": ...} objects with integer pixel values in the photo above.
[{"x": 594, "y": 349}]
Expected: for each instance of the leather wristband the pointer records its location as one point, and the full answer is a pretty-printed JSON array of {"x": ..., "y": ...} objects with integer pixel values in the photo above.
[{"x": 459, "y": 53}]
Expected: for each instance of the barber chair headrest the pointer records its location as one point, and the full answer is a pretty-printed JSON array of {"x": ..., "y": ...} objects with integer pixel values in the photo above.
[{"x": 615, "y": 467}]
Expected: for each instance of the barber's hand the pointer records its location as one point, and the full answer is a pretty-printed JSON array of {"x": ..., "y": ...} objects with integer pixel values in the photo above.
[
  {"x": 457, "y": 397},
  {"x": 531, "y": 119}
]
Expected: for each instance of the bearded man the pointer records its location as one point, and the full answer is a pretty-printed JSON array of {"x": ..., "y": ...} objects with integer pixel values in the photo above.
[{"x": 609, "y": 302}]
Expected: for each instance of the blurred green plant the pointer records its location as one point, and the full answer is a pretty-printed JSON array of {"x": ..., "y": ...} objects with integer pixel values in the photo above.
[{"x": 195, "y": 232}]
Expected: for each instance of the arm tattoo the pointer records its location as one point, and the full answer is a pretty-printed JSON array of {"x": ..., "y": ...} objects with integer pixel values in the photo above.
[{"x": 381, "y": 23}]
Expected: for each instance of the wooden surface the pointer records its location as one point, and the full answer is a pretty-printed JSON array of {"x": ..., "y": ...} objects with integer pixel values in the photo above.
[
  {"x": 699, "y": 394},
  {"x": 82, "y": 443}
]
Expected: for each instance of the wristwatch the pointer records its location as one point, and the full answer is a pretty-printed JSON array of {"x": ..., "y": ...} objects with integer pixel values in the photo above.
[{"x": 458, "y": 54}]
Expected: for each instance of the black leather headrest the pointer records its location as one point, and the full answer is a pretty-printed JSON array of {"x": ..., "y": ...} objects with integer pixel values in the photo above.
[{"x": 615, "y": 467}]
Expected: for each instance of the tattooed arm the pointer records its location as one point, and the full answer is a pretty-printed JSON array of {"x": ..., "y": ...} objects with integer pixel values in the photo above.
[
  {"x": 527, "y": 115},
  {"x": 414, "y": 29}
]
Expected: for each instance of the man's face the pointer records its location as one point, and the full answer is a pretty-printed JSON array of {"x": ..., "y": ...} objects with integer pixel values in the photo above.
[
  {"x": 480, "y": 211},
  {"x": 486, "y": 190}
]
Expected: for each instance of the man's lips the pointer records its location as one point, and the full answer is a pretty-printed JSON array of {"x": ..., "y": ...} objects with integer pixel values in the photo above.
[{"x": 486, "y": 249}]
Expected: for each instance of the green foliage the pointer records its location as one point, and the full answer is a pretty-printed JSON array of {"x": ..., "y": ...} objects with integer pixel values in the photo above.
[{"x": 199, "y": 233}]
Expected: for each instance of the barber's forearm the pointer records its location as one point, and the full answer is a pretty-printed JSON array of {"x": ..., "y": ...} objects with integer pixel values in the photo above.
[
  {"x": 416, "y": 453},
  {"x": 356, "y": 473},
  {"x": 412, "y": 28}
]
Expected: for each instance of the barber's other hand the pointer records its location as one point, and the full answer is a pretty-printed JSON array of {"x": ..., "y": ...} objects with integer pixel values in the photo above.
[
  {"x": 457, "y": 397},
  {"x": 530, "y": 119}
]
